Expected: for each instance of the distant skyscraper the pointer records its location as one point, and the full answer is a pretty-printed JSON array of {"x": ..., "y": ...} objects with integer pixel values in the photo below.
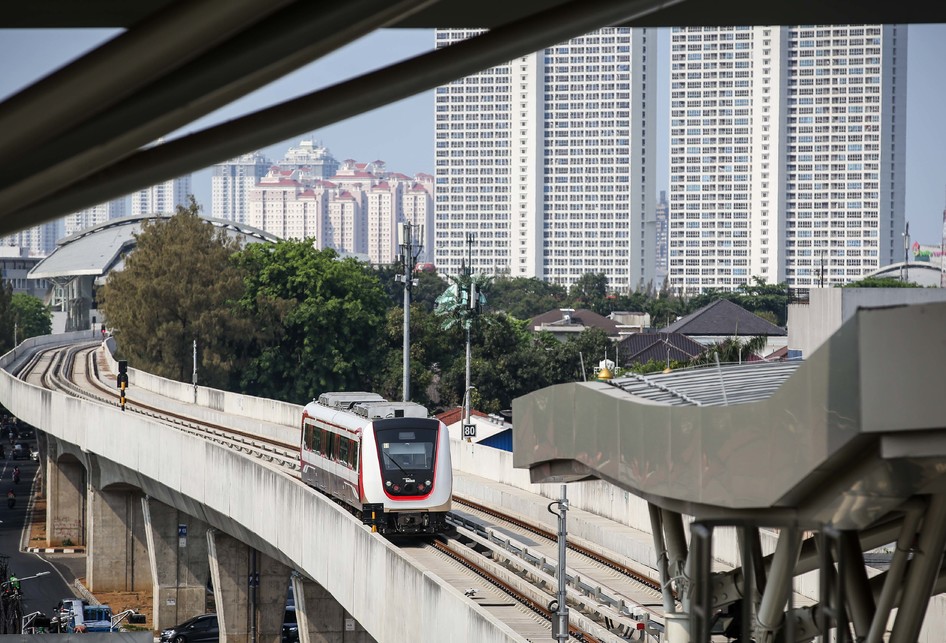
[
  {"x": 230, "y": 183},
  {"x": 37, "y": 241},
  {"x": 661, "y": 247},
  {"x": 549, "y": 161},
  {"x": 95, "y": 215},
  {"x": 783, "y": 153},
  {"x": 310, "y": 155},
  {"x": 163, "y": 198}
]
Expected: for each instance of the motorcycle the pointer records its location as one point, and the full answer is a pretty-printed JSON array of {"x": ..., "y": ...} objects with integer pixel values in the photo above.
[
  {"x": 16, "y": 476},
  {"x": 11, "y": 501}
]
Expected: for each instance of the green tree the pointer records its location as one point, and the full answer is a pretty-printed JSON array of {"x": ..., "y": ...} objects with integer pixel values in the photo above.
[
  {"x": 428, "y": 286},
  {"x": 32, "y": 317},
  {"x": 508, "y": 361},
  {"x": 6, "y": 317},
  {"x": 759, "y": 297},
  {"x": 178, "y": 286},
  {"x": 320, "y": 321},
  {"x": 732, "y": 350},
  {"x": 881, "y": 282},
  {"x": 591, "y": 292},
  {"x": 655, "y": 366},
  {"x": 432, "y": 349},
  {"x": 525, "y": 297},
  {"x": 586, "y": 348}
]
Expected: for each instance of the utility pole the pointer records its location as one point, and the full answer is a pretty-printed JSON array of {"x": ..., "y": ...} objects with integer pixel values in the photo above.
[
  {"x": 470, "y": 238},
  {"x": 408, "y": 258}
]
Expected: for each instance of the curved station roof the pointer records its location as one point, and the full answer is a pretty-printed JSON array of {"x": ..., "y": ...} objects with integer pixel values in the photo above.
[
  {"x": 100, "y": 249},
  {"x": 841, "y": 439}
]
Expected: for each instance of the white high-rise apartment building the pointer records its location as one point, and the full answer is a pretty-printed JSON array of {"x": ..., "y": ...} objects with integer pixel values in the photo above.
[
  {"x": 230, "y": 183},
  {"x": 163, "y": 198},
  {"x": 548, "y": 161},
  {"x": 95, "y": 215},
  {"x": 37, "y": 241},
  {"x": 784, "y": 162}
]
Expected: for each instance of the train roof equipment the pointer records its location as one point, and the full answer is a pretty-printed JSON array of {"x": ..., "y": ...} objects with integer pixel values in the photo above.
[
  {"x": 371, "y": 406},
  {"x": 344, "y": 401},
  {"x": 384, "y": 409}
]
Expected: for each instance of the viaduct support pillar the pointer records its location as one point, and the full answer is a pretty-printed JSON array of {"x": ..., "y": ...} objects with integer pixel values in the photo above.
[
  {"x": 117, "y": 558},
  {"x": 179, "y": 569},
  {"x": 65, "y": 500},
  {"x": 249, "y": 590},
  {"x": 321, "y": 618}
]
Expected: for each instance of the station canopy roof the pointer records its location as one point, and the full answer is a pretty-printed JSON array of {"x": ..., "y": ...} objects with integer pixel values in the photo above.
[{"x": 98, "y": 250}]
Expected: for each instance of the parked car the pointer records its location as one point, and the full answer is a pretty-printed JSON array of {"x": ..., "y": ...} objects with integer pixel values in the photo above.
[{"x": 199, "y": 628}]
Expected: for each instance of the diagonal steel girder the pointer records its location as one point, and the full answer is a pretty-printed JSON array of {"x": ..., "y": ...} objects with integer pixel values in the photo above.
[
  {"x": 277, "y": 45},
  {"x": 152, "y": 49},
  {"x": 329, "y": 105}
]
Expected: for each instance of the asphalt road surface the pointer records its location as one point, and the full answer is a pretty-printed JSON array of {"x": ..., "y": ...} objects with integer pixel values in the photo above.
[{"x": 43, "y": 582}]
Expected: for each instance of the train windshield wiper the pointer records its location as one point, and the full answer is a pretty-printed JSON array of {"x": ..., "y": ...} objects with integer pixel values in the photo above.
[{"x": 394, "y": 462}]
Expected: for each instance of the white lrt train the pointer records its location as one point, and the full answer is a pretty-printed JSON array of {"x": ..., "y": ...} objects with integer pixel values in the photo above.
[{"x": 386, "y": 460}]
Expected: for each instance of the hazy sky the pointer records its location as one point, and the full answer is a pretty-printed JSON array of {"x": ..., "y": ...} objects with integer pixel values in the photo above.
[{"x": 402, "y": 134}]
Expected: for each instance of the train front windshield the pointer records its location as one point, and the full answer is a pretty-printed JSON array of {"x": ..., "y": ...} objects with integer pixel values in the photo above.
[{"x": 407, "y": 449}]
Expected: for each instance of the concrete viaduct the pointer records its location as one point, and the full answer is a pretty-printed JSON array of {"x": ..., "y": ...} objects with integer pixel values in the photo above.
[{"x": 129, "y": 483}]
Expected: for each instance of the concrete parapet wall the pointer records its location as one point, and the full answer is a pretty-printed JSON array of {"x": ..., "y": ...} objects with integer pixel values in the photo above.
[{"x": 214, "y": 403}]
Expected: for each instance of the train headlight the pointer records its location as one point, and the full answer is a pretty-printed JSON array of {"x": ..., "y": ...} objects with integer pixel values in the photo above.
[
  {"x": 397, "y": 487},
  {"x": 388, "y": 483},
  {"x": 427, "y": 482},
  {"x": 420, "y": 487}
]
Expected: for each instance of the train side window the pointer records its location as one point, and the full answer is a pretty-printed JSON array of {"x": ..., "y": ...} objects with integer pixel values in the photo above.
[
  {"x": 316, "y": 440},
  {"x": 307, "y": 437},
  {"x": 343, "y": 444},
  {"x": 329, "y": 445},
  {"x": 353, "y": 456}
]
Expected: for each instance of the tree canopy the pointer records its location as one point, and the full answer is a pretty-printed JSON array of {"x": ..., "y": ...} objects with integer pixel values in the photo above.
[
  {"x": 320, "y": 321},
  {"x": 31, "y": 316},
  {"x": 525, "y": 297},
  {"x": 881, "y": 282},
  {"x": 6, "y": 317},
  {"x": 179, "y": 285}
]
